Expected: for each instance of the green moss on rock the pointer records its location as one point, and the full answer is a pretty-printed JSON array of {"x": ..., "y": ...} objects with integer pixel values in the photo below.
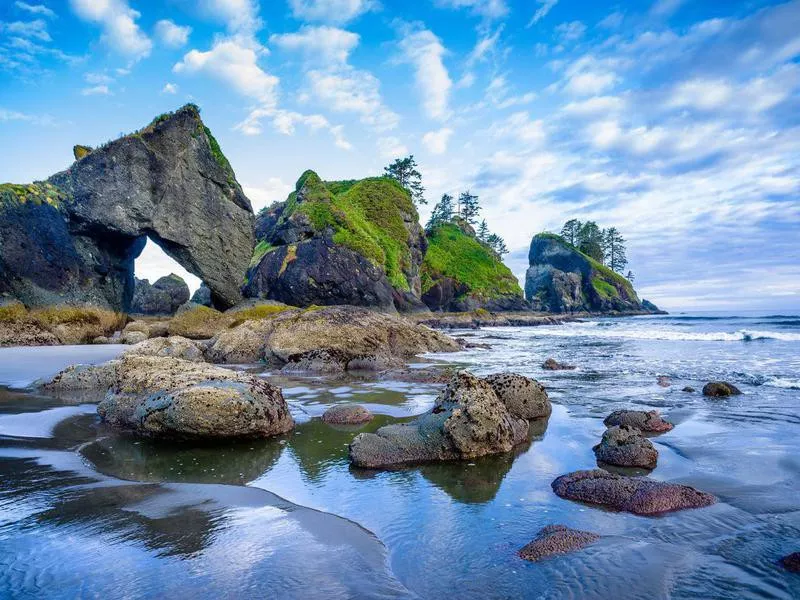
[{"x": 40, "y": 192}]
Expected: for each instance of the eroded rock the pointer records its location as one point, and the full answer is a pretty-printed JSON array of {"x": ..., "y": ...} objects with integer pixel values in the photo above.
[
  {"x": 638, "y": 495},
  {"x": 524, "y": 397},
  {"x": 649, "y": 421},
  {"x": 556, "y": 539},
  {"x": 625, "y": 446}
]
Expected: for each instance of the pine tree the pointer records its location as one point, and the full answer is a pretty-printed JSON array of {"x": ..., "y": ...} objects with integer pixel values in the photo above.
[
  {"x": 442, "y": 212},
  {"x": 570, "y": 231},
  {"x": 468, "y": 207},
  {"x": 404, "y": 170},
  {"x": 483, "y": 231},
  {"x": 614, "y": 249},
  {"x": 630, "y": 276},
  {"x": 497, "y": 244},
  {"x": 590, "y": 241}
]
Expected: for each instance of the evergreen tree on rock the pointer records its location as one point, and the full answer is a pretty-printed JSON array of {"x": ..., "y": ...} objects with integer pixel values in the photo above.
[{"x": 404, "y": 170}]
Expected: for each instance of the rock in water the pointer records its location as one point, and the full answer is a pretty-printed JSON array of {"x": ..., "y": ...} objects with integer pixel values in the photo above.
[
  {"x": 162, "y": 298},
  {"x": 339, "y": 242},
  {"x": 522, "y": 396},
  {"x": 468, "y": 420},
  {"x": 720, "y": 389},
  {"x": 551, "y": 364},
  {"x": 347, "y": 414},
  {"x": 556, "y": 539},
  {"x": 168, "y": 398},
  {"x": 561, "y": 278},
  {"x": 647, "y": 421},
  {"x": 791, "y": 562},
  {"x": 626, "y": 447},
  {"x": 638, "y": 495},
  {"x": 74, "y": 237}
]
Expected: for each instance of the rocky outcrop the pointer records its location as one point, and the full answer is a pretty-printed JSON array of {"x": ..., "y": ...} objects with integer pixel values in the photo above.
[
  {"x": 649, "y": 421},
  {"x": 553, "y": 540},
  {"x": 164, "y": 297},
  {"x": 460, "y": 273},
  {"x": 350, "y": 337},
  {"x": 561, "y": 278},
  {"x": 339, "y": 242},
  {"x": 720, "y": 389},
  {"x": 626, "y": 447},
  {"x": 347, "y": 414},
  {"x": 468, "y": 420},
  {"x": 637, "y": 495},
  {"x": 74, "y": 237},
  {"x": 523, "y": 397},
  {"x": 168, "y": 398},
  {"x": 202, "y": 297}
]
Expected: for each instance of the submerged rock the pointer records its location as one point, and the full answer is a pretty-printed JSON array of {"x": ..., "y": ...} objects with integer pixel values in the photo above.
[
  {"x": 626, "y": 447},
  {"x": 720, "y": 389},
  {"x": 347, "y": 414},
  {"x": 170, "y": 398},
  {"x": 467, "y": 420},
  {"x": 647, "y": 421},
  {"x": 556, "y": 539},
  {"x": 663, "y": 381},
  {"x": 791, "y": 562},
  {"x": 638, "y": 495},
  {"x": 688, "y": 389},
  {"x": 523, "y": 397},
  {"x": 552, "y": 365}
]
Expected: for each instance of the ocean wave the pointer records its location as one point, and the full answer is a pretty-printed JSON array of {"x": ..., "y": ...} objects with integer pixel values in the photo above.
[
  {"x": 783, "y": 382},
  {"x": 742, "y": 335}
]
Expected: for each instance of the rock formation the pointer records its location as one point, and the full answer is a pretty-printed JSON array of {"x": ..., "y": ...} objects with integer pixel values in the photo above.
[
  {"x": 720, "y": 389},
  {"x": 561, "y": 278},
  {"x": 339, "y": 242},
  {"x": 625, "y": 446},
  {"x": 164, "y": 297},
  {"x": 347, "y": 414},
  {"x": 460, "y": 273},
  {"x": 556, "y": 539},
  {"x": 74, "y": 237},
  {"x": 649, "y": 421}
]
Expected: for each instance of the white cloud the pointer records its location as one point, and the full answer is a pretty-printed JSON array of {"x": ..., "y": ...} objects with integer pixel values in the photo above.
[
  {"x": 665, "y": 8},
  {"x": 422, "y": 49},
  {"x": 570, "y": 32},
  {"x": 466, "y": 81},
  {"x": 98, "y": 78},
  {"x": 596, "y": 105},
  {"x": 490, "y": 9},
  {"x": 612, "y": 21},
  {"x": 485, "y": 46},
  {"x": 97, "y": 90},
  {"x": 521, "y": 127},
  {"x": 118, "y": 22},
  {"x": 331, "y": 11},
  {"x": 587, "y": 83},
  {"x": 391, "y": 147},
  {"x": 436, "y": 141},
  {"x": 170, "y": 88},
  {"x": 351, "y": 90},
  {"x": 36, "y": 29},
  {"x": 321, "y": 44},
  {"x": 13, "y": 115},
  {"x": 498, "y": 94},
  {"x": 274, "y": 189},
  {"x": 172, "y": 35},
  {"x": 36, "y": 9},
  {"x": 239, "y": 16},
  {"x": 704, "y": 94},
  {"x": 545, "y": 6}
]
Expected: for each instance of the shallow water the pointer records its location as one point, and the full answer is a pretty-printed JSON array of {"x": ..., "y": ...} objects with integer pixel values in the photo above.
[{"x": 85, "y": 512}]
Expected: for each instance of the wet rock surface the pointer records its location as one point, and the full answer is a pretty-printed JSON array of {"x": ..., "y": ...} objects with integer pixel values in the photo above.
[
  {"x": 523, "y": 397},
  {"x": 649, "y": 421},
  {"x": 720, "y": 389},
  {"x": 637, "y": 495},
  {"x": 552, "y": 364},
  {"x": 553, "y": 540},
  {"x": 625, "y": 446},
  {"x": 347, "y": 414}
]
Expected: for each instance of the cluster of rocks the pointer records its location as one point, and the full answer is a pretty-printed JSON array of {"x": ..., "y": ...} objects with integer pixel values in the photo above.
[{"x": 164, "y": 297}]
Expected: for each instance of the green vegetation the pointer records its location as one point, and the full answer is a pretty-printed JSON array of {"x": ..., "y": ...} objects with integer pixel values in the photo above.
[
  {"x": 216, "y": 152},
  {"x": 70, "y": 324},
  {"x": 40, "y": 192},
  {"x": 606, "y": 246},
  {"x": 257, "y": 313},
  {"x": 455, "y": 254},
  {"x": 404, "y": 171},
  {"x": 200, "y": 322},
  {"x": 261, "y": 249}
]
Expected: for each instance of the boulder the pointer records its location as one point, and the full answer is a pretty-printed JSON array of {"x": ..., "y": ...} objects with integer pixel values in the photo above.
[
  {"x": 551, "y": 364},
  {"x": 688, "y": 389},
  {"x": 625, "y": 446},
  {"x": 637, "y": 495},
  {"x": 168, "y": 398},
  {"x": 523, "y": 397},
  {"x": 791, "y": 562},
  {"x": 162, "y": 298},
  {"x": 468, "y": 420},
  {"x": 347, "y": 414},
  {"x": 133, "y": 337},
  {"x": 720, "y": 389},
  {"x": 556, "y": 539},
  {"x": 202, "y": 296},
  {"x": 174, "y": 346},
  {"x": 81, "y": 378},
  {"x": 649, "y": 421},
  {"x": 71, "y": 239}
]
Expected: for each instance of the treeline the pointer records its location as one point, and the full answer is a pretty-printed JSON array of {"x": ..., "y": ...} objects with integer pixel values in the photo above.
[
  {"x": 606, "y": 246},
  {"x": 447, "y": 210}
]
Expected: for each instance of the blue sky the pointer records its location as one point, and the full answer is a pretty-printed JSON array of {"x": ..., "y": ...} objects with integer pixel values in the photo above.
[{"x": 676, "y": 121}]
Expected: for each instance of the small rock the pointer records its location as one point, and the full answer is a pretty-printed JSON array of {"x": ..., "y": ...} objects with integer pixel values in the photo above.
[
  {"x": 647, "y": 421},
  {"x": 551, "y": 364},
  {"x": 664, "y": 381},
  {"x": 556, "y": 539},
  {"x": 791, "y": 562},
  {"x": 720, "y": 389},
  {"x": 688, "y": 389},
  {"x": 347, "y": 414},
  {"x": 626, "y": 447},
  {"x": 101, "y": 339},
  {"x": 132, "y": 337},
  {"x": 637, "y": 495}
]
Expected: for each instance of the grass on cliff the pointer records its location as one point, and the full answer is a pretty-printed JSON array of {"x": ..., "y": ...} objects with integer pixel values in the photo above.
[
  {"x": 364, "y": 216},
  {"x": 454, "y": 254},
  {"x": 40, "y": 192}
]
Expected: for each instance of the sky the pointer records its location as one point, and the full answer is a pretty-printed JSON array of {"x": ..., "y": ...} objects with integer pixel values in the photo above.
[{"x": 676, "y": 121}]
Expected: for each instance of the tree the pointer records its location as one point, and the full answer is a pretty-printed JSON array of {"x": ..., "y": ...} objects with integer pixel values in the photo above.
[
  {"x": 630, "y": 276},
  {"x": 468, "y": 207},
  {"x": 496, "y": 243},
  {"x": 590, "y": 241},
  {"x": 404, "y": 171},
  {"x": 614, "y": 249},
  {"x": 570, "y": 231},
  {"x": 483, "y": 231},
  {"x": 442, "y": 212}
]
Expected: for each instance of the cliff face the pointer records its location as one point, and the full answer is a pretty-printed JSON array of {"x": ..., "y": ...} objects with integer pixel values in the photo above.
[
  {"x": 459, "y": 273},
  {"x": 340, "y": 242},
  {"x": 74, "y": 238},
  {"x": 563, "y": 279}
]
